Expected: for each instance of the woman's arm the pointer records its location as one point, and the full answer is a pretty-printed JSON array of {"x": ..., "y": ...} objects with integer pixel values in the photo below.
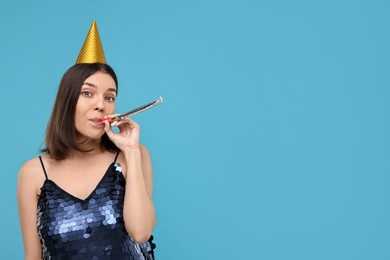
[
  {"x": 139, "y": 213},
  {"x": 27, "y": 204},
  {"x": 138, "y": 210}
]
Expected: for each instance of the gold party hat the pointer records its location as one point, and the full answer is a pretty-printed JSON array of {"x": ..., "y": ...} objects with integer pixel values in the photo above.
[{"x": 92, "y": 50}]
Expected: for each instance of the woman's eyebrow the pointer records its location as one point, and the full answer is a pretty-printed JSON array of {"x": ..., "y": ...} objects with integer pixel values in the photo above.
[
  {"x": 93, "y": 85},
  {"x": 90, "y": 84}
]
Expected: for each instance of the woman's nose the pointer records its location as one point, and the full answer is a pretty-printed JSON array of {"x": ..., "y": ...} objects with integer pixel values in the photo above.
[{"x": 99, "y": 106}]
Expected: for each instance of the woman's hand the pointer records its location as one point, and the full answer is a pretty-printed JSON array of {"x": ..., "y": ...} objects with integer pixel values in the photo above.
[{"x": 128, "y": 136}]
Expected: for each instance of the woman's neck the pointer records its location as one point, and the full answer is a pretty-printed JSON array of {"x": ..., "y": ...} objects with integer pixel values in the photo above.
[
  {"x": 91, "y": 148},
  {"x": 84, "y": 155}
]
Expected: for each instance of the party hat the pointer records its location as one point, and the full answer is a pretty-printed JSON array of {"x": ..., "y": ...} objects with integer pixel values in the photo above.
[{"x": 92, "y": 50}]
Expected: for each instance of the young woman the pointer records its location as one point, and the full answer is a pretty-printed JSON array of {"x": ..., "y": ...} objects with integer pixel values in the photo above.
[{"x": 72, "y": 199}]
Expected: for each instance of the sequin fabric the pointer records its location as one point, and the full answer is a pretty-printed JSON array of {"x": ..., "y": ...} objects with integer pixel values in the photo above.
[{"x": 72, "y": 228}]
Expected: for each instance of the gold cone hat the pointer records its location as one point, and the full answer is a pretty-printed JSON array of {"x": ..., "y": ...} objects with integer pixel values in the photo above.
[{"x": 92, "y": 50}]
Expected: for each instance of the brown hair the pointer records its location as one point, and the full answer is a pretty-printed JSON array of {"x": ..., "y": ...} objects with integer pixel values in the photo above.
[{"x": 61, "y": 132}]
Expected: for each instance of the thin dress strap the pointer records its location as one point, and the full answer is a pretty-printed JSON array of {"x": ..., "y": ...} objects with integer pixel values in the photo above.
[
  {"x": 116, "y": 157},
  {"x": 43, "y": 167}
]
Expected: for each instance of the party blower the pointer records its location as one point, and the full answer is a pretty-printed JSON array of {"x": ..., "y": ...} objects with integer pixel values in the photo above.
[{"x": 134, "y": 111}]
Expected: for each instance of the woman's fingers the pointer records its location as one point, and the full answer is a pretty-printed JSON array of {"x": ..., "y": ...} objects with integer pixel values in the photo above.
[
  {"x": 128, "y": 132},
  {"x": 126, "y": 122},
  {"x": 107, "y": 128}
]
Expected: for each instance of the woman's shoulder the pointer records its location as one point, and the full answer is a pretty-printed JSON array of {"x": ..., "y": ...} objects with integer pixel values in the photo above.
[
  {"x": 31, "y": 165},
  {"x": 144, "y": 151},
  {"x": 31, "y": 171}
]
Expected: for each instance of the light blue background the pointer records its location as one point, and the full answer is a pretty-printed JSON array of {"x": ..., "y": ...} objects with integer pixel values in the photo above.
[{"x": 273, "y": 142}]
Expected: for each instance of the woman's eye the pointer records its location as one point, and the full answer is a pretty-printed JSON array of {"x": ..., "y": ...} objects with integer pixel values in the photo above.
[
  {"x": 110, "y": 98},
  {"x": 86, "y": 93}
]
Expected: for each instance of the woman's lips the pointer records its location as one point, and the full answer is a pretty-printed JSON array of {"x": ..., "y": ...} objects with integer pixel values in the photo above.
[{"x": 97, "y": 121}]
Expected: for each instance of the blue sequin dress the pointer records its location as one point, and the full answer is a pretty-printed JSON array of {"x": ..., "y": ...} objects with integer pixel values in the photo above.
[{"x": 93, "y": 228}]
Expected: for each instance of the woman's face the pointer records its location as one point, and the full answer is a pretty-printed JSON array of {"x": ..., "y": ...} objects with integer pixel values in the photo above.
[{"x": 97, "y": 99}]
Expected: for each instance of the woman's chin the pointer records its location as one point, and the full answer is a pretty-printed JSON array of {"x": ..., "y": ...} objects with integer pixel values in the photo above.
[{"x": 91, "y": 137}]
